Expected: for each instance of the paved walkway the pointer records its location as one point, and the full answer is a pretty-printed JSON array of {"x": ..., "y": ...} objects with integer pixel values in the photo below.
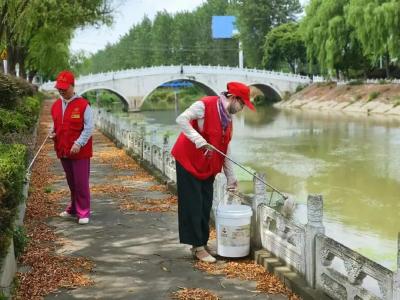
[{"x": 136, "y": 253}]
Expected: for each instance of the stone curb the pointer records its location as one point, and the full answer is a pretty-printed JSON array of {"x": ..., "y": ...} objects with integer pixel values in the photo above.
[
  {"x": 292, "y": 280},
  {"x": 9, "y": 267}
]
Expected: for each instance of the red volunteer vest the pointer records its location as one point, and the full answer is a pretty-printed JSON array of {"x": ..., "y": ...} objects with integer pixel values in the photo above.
[
  {"x": 69, "y": 128},
  {"x": 194, "y": 160}
]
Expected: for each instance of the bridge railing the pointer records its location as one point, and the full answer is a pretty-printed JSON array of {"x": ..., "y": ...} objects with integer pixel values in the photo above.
[
  {"x": 189, "y": 69},
  {"x": 326, "y": 264}
]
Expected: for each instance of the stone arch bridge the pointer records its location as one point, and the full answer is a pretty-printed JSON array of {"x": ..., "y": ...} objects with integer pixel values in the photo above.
[{"x": 135, "y": 85}]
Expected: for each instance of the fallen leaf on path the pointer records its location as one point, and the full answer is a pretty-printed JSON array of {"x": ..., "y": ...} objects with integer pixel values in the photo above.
[{"x": 194, "y": 294}]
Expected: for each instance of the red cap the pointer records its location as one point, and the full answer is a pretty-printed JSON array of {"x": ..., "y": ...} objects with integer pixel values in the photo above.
[
  {"x": 240, "y": 90},
  {"x": 64, "y": 80}
]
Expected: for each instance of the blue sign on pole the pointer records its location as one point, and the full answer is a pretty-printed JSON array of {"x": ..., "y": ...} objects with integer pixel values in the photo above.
[{"x": 223, "y": 27}]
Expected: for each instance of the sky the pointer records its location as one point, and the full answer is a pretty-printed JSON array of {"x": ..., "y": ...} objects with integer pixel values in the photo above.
[{"x": 127, "y": 13}]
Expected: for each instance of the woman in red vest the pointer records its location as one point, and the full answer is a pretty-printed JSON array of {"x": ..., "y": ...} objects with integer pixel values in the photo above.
[
  {"x": 72, "y": 135},
  {"x": 206, "y": 122}
]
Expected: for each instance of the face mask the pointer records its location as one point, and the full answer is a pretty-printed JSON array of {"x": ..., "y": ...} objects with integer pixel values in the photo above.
[{"x": 234, "y": 107}]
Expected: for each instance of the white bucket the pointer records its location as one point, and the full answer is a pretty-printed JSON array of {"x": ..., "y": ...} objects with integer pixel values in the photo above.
[{"x": 233, "y": 230}]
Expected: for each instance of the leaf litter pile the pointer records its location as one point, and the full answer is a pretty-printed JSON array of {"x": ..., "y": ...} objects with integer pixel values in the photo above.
[
  {"x": 46, "y": 271},
  {"x": 246, "y": 269},
  {"x": 119, "y": 160},
  {"x": 150, "y": 205},
  {"x": 113, "y": 156},
  {"x": 194, "y": 294}
]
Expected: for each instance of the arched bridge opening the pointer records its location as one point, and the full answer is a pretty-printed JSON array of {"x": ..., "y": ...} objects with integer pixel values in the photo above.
[
  {"x": 107, "y": 98},
  {"x": 264, "y": 94},
  {"x": 177, "y": 94}
]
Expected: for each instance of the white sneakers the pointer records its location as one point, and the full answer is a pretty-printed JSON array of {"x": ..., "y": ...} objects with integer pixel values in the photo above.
[
  {"x": 67, "y": 215},
  {"x": 83, "y": 221}
]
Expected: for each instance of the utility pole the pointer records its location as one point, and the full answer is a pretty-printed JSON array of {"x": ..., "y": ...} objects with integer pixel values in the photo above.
[
  {"x": 235, "y": 34},
  {"x": 240, "y": 55}
]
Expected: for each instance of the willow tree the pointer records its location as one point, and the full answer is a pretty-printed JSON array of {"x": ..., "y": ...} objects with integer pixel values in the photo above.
[
  {"x": 256, "y": 18},
  {"x": 330, "y": 40},
  {"x": 35, "y": 28},
  {"x": 284, "y": 44},
  {"x": 162, "y": 35},
  {"x": 377, "y": 24}
]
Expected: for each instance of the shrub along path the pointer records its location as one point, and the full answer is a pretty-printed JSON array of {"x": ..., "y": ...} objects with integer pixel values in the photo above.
[{"x": 130, "y": 248}]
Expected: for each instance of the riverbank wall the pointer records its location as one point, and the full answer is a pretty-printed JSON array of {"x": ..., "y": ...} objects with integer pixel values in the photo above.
[
  {"x": 309, "y": 262},
  {"x": 350, "y": 97}
]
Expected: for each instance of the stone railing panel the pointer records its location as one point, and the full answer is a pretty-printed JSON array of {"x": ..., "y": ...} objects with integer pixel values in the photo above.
[
  {"x": 170, "y": 168},
  {"x": 147, "y": 151},
  {"x": 357, "y": 268},
  {"x": 283, "y": 237},
  {"x": 157, "y": 155}
]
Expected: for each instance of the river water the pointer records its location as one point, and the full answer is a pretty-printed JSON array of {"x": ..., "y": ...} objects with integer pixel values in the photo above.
[{"x": 352, "y": 160}]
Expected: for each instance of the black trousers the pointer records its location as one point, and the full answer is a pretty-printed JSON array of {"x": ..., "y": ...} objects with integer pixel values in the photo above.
[{"x": 194, "y": 206}]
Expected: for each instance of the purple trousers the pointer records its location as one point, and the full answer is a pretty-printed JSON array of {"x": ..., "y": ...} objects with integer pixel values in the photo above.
[{"x": 77, "y": 173}]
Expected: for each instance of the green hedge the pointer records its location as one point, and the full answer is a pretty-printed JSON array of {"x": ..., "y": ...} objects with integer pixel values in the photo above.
[
  {"x": 11, "y": 122},
  {"x": 12, "y": 175},
  {"x": 19, "y": 111},
  {"x": 12, "y": 90},
  {"x": 22, "y": 118}
]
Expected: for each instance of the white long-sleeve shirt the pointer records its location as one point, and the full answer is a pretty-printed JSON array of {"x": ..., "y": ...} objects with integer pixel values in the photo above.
[{"x": 196, "y": 112}]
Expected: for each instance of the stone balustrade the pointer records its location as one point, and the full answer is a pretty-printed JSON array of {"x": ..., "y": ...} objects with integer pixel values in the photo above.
[
  {"x": 304, "y": 247},
  {"x": 98, "y": 78}
]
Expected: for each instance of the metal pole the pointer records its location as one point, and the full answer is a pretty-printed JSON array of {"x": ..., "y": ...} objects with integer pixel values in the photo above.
[
  {"x": 37, "y": 153},
  {"x": 253, "y": 174},
  {"x": 240, "y": 55}
]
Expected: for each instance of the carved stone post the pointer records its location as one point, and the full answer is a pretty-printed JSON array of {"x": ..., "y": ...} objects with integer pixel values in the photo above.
[
  {"x": 142, "y": 138},
  {"x": 396, "y": 277},
  {"x": 130, "y": 140},
  {"x": 164, "y": 152},
  {"x": 153, "y": 138},
  {"x": 126, "y": 135},
  {"x": 314, "y": 226},
  {"x": 260, "y": 196},
  {"x": 219, "y": 196},
  {"x": 220, "y": 188}
]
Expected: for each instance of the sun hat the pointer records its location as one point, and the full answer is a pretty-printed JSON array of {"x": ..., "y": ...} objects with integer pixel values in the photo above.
[{"x": 242, "y": 91}]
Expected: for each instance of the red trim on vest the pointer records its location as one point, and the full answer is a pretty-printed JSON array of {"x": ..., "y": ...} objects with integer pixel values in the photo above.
[
  {"x": 194, "y": 160},
  {"x": 69, "y": 128}
]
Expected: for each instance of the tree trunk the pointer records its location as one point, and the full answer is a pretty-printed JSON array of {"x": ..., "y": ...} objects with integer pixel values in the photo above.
[
  {"x": 291, "y": 66},
  {"x": 387, "y": 65},
  {"x": 31, "y": 75},
  {"x": 12, "y": 56},
  {"x": 21, "y": 55}
]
